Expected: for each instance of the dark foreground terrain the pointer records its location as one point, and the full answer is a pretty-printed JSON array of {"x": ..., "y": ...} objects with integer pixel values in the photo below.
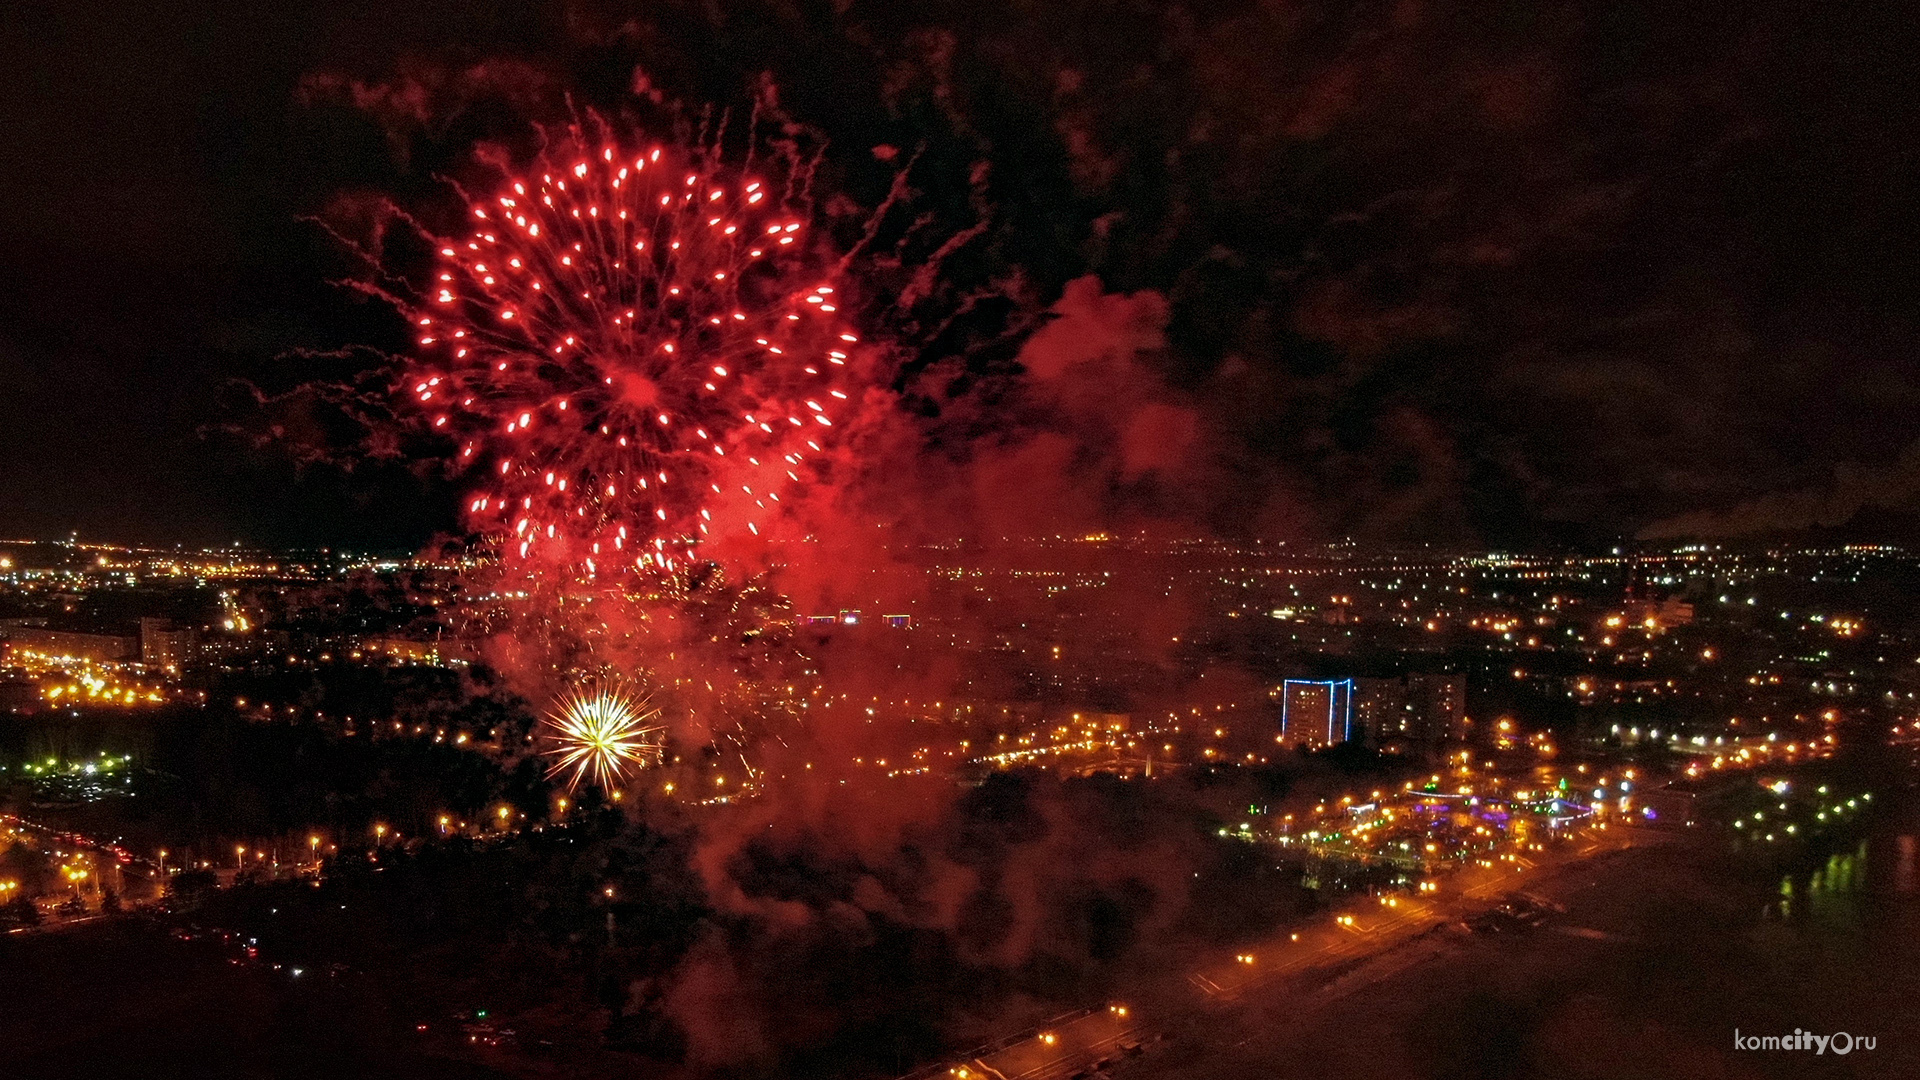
[{"x": 1660, "y": 953}]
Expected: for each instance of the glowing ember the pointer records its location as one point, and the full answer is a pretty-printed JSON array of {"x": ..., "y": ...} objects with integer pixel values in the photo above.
[
  {"x": 638, "y": 352},
  {"x": 600, "y": 734}
]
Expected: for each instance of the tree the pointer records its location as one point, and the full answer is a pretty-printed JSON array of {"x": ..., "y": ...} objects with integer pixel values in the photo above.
[
  {"x": 189, "y": 888},
  {"x": 21, "y": 910},
  {"x": 28, "y": 866}
]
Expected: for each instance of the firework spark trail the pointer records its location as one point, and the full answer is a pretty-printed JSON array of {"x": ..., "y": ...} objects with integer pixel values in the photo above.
[
  {"x": 640, "y": 353},
  {"x": 599, "y": 734}
]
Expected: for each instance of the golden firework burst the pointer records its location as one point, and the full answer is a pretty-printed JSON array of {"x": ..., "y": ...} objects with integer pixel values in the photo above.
[{"x": 600, "y": 734}]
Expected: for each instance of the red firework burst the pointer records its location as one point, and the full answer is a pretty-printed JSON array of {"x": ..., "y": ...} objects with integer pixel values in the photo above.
[{"x": 638, "y": 352}]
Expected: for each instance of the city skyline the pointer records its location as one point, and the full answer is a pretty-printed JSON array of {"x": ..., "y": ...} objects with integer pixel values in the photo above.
[{"x": 1517, "y": 724}]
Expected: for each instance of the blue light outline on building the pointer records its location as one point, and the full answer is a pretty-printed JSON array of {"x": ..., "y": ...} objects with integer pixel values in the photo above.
[{"x": 1334, "y": 701}]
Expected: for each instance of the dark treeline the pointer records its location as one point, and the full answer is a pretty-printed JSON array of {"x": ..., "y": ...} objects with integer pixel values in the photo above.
[{"x": 273, "y": 754}]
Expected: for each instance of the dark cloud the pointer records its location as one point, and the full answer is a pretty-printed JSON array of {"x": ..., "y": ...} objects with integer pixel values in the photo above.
[
  {"x": 1431, "y": 269},
  {"x": 1853, "y": 491}
]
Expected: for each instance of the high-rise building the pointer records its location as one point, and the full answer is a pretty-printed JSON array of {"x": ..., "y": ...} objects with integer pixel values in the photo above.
[
  {"x": 1419, "y": 710},
  {"x": 1316, "y": 712},
  {"x": 163, "y": 645}
]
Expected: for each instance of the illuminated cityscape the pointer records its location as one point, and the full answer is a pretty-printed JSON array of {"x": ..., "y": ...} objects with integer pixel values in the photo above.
[
  {"x": 1404, "y": 741},
  {"x": 994, "y": 541}
]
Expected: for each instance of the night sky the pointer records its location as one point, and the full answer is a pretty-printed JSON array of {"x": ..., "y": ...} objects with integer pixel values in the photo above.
[{"x": 1512, "y": 274}]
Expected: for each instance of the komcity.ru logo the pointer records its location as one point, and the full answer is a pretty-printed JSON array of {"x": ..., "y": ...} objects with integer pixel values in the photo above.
[{"x": 1839, "y": 1042}]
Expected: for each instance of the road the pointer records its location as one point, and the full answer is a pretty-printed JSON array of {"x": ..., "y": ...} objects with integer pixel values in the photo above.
[
  {"x": 101, "y": 856},
  {"x": 1370, "y": 925},
  {"x": 1328, "y": 954}
]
